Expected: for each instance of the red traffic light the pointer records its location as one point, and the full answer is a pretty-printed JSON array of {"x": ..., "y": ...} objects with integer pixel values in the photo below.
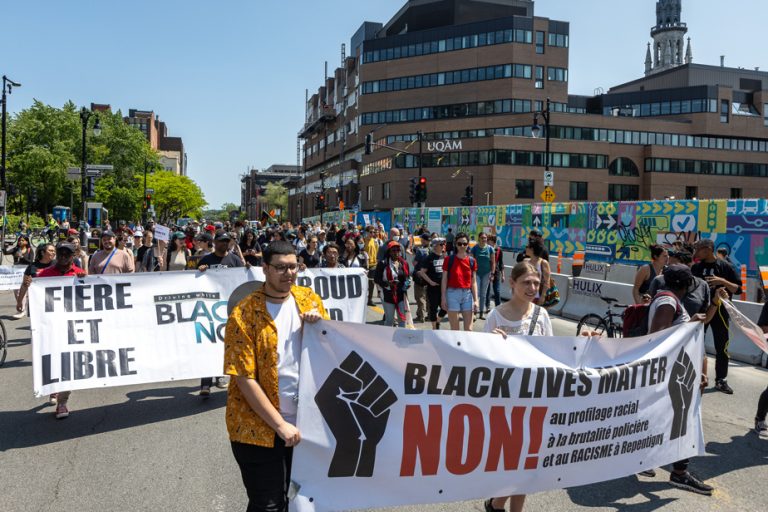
[{"x": 422, "y": 180}]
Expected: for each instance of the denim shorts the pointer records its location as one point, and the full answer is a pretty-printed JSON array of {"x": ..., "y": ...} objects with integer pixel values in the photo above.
[{"x": 459, "y": 299}]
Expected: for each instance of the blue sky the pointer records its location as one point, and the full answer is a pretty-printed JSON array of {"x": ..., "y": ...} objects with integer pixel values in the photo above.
[{"x": 229, "y": 76}]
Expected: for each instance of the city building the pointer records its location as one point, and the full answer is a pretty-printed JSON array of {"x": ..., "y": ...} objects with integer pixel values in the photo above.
[
  {"x": 171, "y": 149},
  {"x": 253, "y": 187},
  {"x": 450, "y": 90}
]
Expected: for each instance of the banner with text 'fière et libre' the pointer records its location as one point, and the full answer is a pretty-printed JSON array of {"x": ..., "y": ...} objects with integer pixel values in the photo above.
[
  {"x": 123, "y": 329},
  {"x": 392, "y": 417}
]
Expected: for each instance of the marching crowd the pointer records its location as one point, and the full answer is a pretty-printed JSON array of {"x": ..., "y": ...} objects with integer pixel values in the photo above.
[{"x": 450, "y": 276}]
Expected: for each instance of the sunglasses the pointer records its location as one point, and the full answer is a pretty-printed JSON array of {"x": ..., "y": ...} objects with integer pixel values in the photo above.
[{"x": 461, "y": 244}]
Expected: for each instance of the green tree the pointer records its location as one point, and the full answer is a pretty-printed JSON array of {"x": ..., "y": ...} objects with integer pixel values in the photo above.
[
  {"x": 276, "y": 196},
  {"x": 175, "y": 196}
]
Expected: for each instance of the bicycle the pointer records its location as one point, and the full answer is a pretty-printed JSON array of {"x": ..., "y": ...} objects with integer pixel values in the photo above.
[
  {"x": 3, "y": 343},
  {"x": 609, "y": 324}
]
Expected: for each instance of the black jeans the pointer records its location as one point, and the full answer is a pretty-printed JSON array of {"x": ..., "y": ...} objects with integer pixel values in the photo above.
[
  {"x": 762, "y": 406},
  {"x": 434, "y": 297},
  {"x": 266, "y": 474},
  {"x": 719, "y": 328}
]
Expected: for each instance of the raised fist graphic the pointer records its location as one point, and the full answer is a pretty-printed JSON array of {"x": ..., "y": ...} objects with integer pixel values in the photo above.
[
  {"x": 682, "y": 380},
  {"x": 355, "y": 401}
]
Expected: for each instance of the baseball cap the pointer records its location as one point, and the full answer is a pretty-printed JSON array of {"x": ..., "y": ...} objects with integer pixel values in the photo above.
[
  {"x": 204, "y": 237},
  {"x": 704, "y": 242},
  {"x": 426, "y": 235},
  {"x": 222, "y": 236},
  {"x": 677, "y": 275},
  {"x": 210, "y": 228},
  {"x": 391, "y": 245},
  {"x": 66, "y": 245},
  {"x": 107, "y": 232},
  {"x": 138, "y": 234},
  {"x": 437, "y": 241},
  {"x": 535, "y": 232}
]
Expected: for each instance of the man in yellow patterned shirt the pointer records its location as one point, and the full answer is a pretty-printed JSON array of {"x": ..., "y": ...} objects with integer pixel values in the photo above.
[{"x": 262, "y": 350}]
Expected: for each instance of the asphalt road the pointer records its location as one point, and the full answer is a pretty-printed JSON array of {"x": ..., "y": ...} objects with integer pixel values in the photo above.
[{"x": 161, "y": 447}]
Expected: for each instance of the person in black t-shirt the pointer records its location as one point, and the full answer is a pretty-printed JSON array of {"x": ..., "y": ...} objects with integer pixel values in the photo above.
[
  {"x": 430, "y": 268},
  {"x": 250, "y": 248},
  {"x": 718, "y": 274},
  {"x": 534, "y": 235},
  {"x": 219, "y": 258}
]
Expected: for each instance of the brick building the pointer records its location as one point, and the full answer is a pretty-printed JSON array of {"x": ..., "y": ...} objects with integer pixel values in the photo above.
[{"x": 470, "y": 76}]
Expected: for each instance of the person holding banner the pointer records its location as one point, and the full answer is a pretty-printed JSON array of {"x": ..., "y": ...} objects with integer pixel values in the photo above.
[
  {"x": 45, "y": 255},
  {"x": 518, "y": 316},
  {"x": 762, "y": 405},
  {"x": 262, "y": 349},
  {"x": 63, "y": 266}
]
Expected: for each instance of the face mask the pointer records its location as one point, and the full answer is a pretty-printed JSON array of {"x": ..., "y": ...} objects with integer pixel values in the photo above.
[
  {"x": 360, "y": 246},
  {"x": 396, "y": 238}
]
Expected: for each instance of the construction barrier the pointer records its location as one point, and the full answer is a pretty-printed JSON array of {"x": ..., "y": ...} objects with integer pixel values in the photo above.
[
  {"x": 584, "y": 296},
  {"x": 595, "y": 270},
  {"x": 619, "y": 273}
]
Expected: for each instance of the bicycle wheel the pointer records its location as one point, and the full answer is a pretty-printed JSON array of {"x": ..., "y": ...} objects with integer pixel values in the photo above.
[
  {"x": 3, "y": 343},
  {"x": 591, "y": 323}
]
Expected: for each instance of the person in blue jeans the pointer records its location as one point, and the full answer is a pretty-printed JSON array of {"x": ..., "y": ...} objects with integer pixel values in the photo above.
[
  {"x": 485, "y": 256},
  {"x": 498, "y": 275},
  {"x": 459, "y": 285}
]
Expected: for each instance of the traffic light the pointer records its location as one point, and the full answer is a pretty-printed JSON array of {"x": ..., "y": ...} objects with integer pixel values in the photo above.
[
  {"x": 148, "y": 201},
  {"x": 33, "y": 195},
  {"x": 91, "y": 187},
  {"x": 320, "y": 202},
  {"x": 421, "y": 190},
  {"x": 466, "y": 200},
  {"x": 368, "y": 144},
  {"x": 414, "y": 190}
]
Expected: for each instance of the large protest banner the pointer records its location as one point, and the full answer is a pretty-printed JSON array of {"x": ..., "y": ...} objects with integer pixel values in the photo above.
[
  {"x": 116, "y": 330},
  {"x": 392, "y": 417}
]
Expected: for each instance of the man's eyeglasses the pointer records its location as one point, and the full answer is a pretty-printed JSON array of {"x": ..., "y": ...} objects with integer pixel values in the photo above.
[{"x": 284, "y": 269}]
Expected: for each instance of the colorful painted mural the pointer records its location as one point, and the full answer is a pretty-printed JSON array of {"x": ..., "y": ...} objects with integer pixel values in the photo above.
[{"x": 614, "y": 231}]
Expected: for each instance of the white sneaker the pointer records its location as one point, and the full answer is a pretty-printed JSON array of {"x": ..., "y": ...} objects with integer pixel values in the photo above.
[
  {"x": 761, "y": 427},
  {"x": 19, "y": 316}
]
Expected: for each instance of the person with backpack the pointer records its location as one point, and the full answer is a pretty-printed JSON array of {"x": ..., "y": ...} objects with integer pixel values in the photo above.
[
  {"x": 393, "y": 277},
  {"x": 498, "y": 275},
  {"x": 518, "y": 316},
  {"x": 486, "y": 264},
  {"x": 419, "y": 284},
  {"x": 459, "y": 285},
  {"x": 664, "y": 311}
]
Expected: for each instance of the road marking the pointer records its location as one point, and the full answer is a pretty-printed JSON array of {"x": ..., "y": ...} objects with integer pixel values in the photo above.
[{"x": 377, "y": 309}]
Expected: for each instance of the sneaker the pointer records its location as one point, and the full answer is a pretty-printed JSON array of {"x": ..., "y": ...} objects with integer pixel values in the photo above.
[
  {"x": 761, "y": 427},
  {"x": 19, "y": 316},
  {"x": 53, "y": 398},
  {"x": 205, "y": 391},
  {"x": 690, "y": 483},
  {"x": 648, "y": 472},
  {"x": 488, "y": 508},
  {"x": 222, "y": 382},
  {"x": 722, "y": 385},
  {"x": 62, "y": 411}
]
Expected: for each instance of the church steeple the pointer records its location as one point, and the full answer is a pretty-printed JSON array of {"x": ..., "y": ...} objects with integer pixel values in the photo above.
[{"x": 668, "y": 38}]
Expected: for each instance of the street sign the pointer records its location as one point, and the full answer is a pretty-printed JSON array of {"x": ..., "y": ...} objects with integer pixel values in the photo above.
[
  {"x": 549, "y": 178},
  {"x": 548, "y": 195},
  {"x": 150, "y": 191},
  {"x": 94, "y": 167}
]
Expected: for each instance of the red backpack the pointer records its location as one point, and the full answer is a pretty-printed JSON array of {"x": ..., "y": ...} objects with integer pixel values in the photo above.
[{"x": 635, "y": 317}]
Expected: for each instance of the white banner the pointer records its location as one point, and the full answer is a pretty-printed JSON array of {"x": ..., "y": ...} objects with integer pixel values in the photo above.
[
  {"x": 123, "y": 329},
  {"x": 11, "y": 277},
  {"x": 391, "y": 417}
]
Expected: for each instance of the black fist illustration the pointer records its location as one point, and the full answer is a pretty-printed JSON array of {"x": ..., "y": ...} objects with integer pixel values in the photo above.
[
  {"x": 355, "y": 403},
  {"x": 682, "y": 381}
]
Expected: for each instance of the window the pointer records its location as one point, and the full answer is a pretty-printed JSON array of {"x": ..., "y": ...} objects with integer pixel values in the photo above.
[
  {"x": 539, "y": 42},
  {"x": 623, "y": 192},
  {"x": 578, "y": 191},
  {"x": 725, "y": 108},
  {"x": 765, "y": 114},
  {"x": 557, "y": 74},
  {"x": 524, "y": 189},
  {"x": 539, "y": 77},
  {"x": 736, "y": 193},
  {"x": 623, "y": 167},
  {"x": 386, "y": 190},
  {"x": 691, "y": 192},
  {"x": 369, "y": 193}
]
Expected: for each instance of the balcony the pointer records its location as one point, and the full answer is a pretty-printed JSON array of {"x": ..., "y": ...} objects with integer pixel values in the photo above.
[{"x": 326, "y": 114}]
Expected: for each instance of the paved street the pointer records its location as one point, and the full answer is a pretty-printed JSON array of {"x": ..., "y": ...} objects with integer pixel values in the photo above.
[{"x": 160, "y": 447}]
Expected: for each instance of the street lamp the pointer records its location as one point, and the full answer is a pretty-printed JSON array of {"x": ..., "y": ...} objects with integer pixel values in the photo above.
[
  {"x": 85, "y": 115},
  {"x": 8, "y": 86},
  {"x": 536, "y": 131}
]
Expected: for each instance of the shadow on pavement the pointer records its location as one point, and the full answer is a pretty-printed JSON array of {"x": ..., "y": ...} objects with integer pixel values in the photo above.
[
  {"x": 613, "y": 492},
  {"x": 37, "y": 426},
  {"x": 16, "y": 363},
  {"x": 744, "y": 451}
]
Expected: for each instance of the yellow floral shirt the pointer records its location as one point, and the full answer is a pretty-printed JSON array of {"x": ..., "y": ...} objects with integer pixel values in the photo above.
[{"x": 250, "y": 350}]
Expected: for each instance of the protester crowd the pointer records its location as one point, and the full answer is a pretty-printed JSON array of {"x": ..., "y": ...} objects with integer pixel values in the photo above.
[{"x": 447, "y": 276}]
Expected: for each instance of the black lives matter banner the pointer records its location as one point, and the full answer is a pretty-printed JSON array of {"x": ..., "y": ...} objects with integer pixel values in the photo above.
[
  {"x": 115, "y": 330},
  {"x": 392, "y": 417}
]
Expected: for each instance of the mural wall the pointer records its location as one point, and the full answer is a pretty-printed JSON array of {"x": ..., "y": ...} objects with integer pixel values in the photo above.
[{"x": 617, "y": 232}]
